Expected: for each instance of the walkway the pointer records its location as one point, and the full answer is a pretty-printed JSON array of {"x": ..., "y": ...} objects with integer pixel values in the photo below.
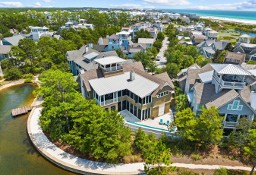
[
  {"x": 13, "y": 83},
  {"x": 162, "y": 59},
  {"x": 82, "y": 166}
]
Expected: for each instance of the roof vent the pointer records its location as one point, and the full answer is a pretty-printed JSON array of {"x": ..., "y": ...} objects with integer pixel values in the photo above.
[{"x": 132, "y": 75}]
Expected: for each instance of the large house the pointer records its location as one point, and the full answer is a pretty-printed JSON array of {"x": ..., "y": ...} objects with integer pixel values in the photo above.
[
  {"x": 148, "y": 42},
  {"x": 84, "y": 59},
  {"x": 234, "y": 58},
  {"x": 38, "y": 32},
  {"x": 209, "y": 47},
  {"x": 118, "y": 84},
  {"x": 246, "y": 48},
  {"x": 77, "y": 26},
  {"x": 4, "y": 52},
  {"x": 228, "y": 87},
  {"x": 12, "y": 40}
]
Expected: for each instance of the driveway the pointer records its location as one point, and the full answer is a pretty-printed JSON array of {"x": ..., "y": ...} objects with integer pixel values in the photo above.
[{"x": 162, "y": 59}]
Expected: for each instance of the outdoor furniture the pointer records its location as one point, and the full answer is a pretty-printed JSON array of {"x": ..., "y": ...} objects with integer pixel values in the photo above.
[
  {"x": 161, "y": 122},
  {"x": 167, "y": 122}
]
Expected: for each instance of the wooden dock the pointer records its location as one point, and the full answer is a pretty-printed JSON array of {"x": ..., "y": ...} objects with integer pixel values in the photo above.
[{"x": 21, "y": 111}]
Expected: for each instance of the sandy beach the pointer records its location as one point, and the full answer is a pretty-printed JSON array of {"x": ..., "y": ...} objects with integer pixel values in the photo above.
[{"x": 249, "y": 22}]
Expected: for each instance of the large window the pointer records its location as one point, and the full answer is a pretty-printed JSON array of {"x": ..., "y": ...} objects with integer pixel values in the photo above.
[
  {"x": 162, "y": 94},
  {"x": 235, "y": 105},
  {"x": 231, "y": 118}
]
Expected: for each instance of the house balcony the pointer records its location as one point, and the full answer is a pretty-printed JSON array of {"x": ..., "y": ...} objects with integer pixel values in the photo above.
[
  {"x": 227, "y": 124},
  {"x": 229, "y": 84},
  {"x": 107, "y": 102},
  {"x": 112, "y": 69}
]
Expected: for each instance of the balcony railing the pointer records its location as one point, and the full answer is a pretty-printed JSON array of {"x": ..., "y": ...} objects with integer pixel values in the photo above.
[
  {"x": 107, "y": 102},
  {"x": 229, "y": 84},
  {"x": 233, "y": 84},
  {"x": 110, "y": 69},
  {"x": 230, "y": 124}
]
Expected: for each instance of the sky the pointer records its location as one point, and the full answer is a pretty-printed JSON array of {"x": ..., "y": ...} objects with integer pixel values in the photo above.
[{"x": 152, "y": 4}]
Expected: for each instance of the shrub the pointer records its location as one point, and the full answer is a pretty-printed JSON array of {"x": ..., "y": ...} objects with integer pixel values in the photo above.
[
  {"x": 221, "y": 171},
  {"x": 196, "y": 157},
  {"x": 132, "y": 159},
  {"x": 28, "y": 78},
  {"x": 12, "y": 74}
]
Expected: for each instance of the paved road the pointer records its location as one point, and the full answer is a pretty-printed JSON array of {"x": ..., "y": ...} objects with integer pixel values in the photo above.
[{"x": 161, "y": 63}]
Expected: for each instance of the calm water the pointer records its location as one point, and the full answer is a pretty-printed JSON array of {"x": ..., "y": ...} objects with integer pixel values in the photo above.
[
  {"x": 17, "y": 155},
  {"x": 246, "y": 15}
]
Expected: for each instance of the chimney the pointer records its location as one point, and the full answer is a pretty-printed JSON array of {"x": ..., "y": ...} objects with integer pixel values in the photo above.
[
  {"x": 86, "y": 49},
  {"x": 90, "y": 45},
  {"x": 253, "y": 100},
  {"x": 132, "y": 75},
  {"x": 100, "y": 42}
]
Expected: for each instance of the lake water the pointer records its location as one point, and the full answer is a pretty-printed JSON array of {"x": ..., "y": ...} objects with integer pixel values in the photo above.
[{"x": 17, "y": 155}]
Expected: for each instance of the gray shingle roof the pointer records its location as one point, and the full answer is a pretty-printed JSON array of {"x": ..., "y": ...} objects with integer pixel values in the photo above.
[
  {"x": 14, "y": 40},
  {"x": 236, "y": 56},
  {"x": 221, "y": 98},
  {"x": 5, "y": 49}
]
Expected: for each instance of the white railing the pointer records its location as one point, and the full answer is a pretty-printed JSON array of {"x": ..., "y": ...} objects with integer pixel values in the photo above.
[
  {"x": 233, "y": 85},
  {"x": 107, "y": 102},
  {"x": 115, "y": 68},
  {"x": 230, "y": 124}
]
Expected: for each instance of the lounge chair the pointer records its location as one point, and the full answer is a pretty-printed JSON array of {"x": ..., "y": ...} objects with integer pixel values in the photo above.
[
  {"x": 161, "y": 122},
  {"x": 167, "y": 122}
]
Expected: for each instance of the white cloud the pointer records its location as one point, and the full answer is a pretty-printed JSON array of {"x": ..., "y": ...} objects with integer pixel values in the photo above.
[
  {"x": 234, "y": 6},
  {"x": 47, "y": 1},
  {"x": 168, "y": 2},
  {"x": 11, "y": 4},
  {"x": 126, "y": 5},
  {"x": 37, "y": 4},
  {"x": 139, "y": 6}
]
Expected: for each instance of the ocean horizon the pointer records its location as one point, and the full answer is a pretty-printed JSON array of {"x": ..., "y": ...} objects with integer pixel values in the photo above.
[{"x": 241, "y": 15}]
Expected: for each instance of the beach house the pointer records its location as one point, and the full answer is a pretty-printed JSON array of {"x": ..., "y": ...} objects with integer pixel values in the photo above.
[
  {"x": 123, "y": 85},
  {"x": 83, "y": 59},
  {"x": 228, "y": 87}
]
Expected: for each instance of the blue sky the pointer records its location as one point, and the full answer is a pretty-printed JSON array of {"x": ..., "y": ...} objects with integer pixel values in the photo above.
[{"x": 167, "y": 4}]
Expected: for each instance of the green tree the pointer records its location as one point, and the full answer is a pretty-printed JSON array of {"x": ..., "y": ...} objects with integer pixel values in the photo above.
[
  {"x": 253, "y": 40},
  {"x": 181, "y": 102},
  {"x": 142, "y": 34},
  {"x": 186, "y": 123},
  {"x": 221, "y": 171},
  {"x": 237, "y": 139},
  {"x": 250, "y": 148},
  {"x": 172, "y": 69},
  {"x": 160, "y": 36},
  {"x": 209, "y": 124},
  {"x": 12, "y": 74},
  {"x": 157, "y": 44},
  {"x": 194, "y": 128}
]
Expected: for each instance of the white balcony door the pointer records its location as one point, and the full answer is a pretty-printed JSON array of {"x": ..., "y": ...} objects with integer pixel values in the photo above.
[{"x": 161, "y": 110}]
